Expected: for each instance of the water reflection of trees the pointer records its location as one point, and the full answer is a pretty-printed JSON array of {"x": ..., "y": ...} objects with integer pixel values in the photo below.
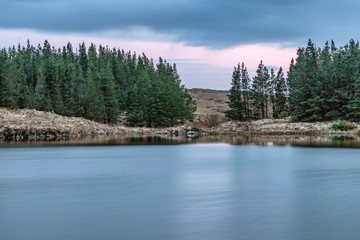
[
  {"x": 264, "y": 140},
  {"x": 310, "y": 141}
]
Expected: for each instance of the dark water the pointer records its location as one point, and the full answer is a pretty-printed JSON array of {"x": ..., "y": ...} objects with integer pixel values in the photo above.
[{"x": 193, "y": 191}]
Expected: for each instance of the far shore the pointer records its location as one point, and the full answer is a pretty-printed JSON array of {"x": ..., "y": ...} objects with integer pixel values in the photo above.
[{"x": 25, "y": 124}]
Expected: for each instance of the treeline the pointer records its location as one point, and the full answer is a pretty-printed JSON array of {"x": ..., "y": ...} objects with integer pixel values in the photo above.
[
  {"x": 325, "y": 82},
  {"x": 105, "y": 85},
  {"x": 263, "y": 96},
  {"x": 322, "y": 84}
]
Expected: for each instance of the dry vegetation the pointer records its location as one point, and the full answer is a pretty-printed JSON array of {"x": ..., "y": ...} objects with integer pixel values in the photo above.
[
  {"x": 211, "y": 105},
  {"x": 281, "y": 127},
  {"x": 210, "y": 119},
  {"x": 38, "y": 121}
]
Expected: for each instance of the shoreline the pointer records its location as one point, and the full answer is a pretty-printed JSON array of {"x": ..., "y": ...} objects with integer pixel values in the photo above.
[{"x": 25, "y": 124}]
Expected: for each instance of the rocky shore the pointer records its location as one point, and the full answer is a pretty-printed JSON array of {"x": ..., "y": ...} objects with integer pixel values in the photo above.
[
  {"x": 25, "y": 124},
  {"x": 45, "y": 125},
  {"x": 282, "y": 127}
]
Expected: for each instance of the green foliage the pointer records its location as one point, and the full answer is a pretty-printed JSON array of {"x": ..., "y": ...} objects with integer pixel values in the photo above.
[
  {"x": 325, "y": 83},
  {"x": 354, "y": 103},
  {"x": 283, "y": 114},
  {"x": 239, "y": 94},
  {"x": 96, "y": 84},
  {"x": 259, "y": 91},
  {"x": 334, "y": 114},
  {"x": 343, "y": 126},
  {"x": 257, "y": 98},
  {"x": 281, "y": 91},
  {"x": 236, "y": 101}
]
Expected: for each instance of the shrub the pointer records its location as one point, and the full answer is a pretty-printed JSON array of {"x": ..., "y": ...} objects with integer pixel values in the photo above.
[
  {"x": 333, "y": 115},
  {"x": 343, "y": 126},
  {"x": 213, "y": 120},
  {"x": 284, "y": 114}
]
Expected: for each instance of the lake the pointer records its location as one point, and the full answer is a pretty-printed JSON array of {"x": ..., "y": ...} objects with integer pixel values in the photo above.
[{"x": 196, "y": 190}]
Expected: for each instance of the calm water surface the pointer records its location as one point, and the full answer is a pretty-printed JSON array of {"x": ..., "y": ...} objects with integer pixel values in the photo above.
[{"x": 195, "y": 191}]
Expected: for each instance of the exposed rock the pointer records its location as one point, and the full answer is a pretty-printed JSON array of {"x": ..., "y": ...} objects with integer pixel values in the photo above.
[
  {"x": 38, "y": 124},
  {"x": 210, "y": 120},
  {"x": 280, "y": 127}
]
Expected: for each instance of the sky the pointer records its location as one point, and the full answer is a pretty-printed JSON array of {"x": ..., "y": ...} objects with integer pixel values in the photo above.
[{"x": 205, "y": 38}]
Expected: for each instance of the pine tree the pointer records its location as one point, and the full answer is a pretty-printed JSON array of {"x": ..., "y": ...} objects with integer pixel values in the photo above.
[
  {"x": 135, "y": 115},
  {"x": 109, "y": 92},
  {"x": 236, "y": 103},
  {"x": 11, "y": 85},
  {"x": 280, "y": 94},
  {"x": 259, "y": 91},
  {"x": 93, "y": 61},
  {"x": 354, "y": 104},
  {"x": 322, "y": 82},
  {"x": 52, "y": 83},
  {"x": 80, "y": 93},
  {"x": 42, "y": 100},
  {"x": 271, "y": 91},
  {"x": 67, "y": 89},
  {"x": 83, "y": 58},
  {"x": 315, "y": 101},
  {"x": 156, "y": 113},
  {"x": 95, "y": 85},
  {"x": 299, "y": 89},
  {"x": 3, "y": 60},
  {"x": 245, "y": 86},
  {"x": 326, "y": 73},
  {"x": 94, "y": 102},
  {"x": 29, "y": 66},
  {"x": 25, "y": 99}
]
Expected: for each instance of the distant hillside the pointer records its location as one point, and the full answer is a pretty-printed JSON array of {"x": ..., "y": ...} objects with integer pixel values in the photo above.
[{"x": 211, "y": 105}]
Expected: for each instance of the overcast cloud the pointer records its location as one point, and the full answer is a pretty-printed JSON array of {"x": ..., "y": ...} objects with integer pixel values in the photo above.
[
  {"x": 205, "y": 37},
  {"x": 215, "y": 24}
]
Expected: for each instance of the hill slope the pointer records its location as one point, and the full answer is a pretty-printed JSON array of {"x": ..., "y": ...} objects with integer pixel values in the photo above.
[{"x": 211, "y": 105}]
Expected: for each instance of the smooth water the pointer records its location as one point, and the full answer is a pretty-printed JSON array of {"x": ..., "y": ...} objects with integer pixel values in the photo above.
[{"x": 196, "y": 191}]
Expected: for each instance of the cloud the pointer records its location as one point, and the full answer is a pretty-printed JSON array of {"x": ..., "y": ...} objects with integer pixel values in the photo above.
[{"x": 216, "y": 24}]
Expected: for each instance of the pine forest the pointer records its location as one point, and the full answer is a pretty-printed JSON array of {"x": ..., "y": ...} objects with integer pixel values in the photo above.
[
  {"x": 105, "y": 85},
  {"x": 322, "y": 84},
  {"x": 111, "y": 85}
]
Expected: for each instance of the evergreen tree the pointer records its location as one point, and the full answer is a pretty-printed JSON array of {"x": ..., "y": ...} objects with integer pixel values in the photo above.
[
  {"x": 271, "y": 91},
  {"x": 327, "y": 77},
  {"x": 68, "y": 90},
  {"x": 135, "y": 115},
  {"x": 94, "y": 102},
  {"x": 156, "y": 114},
  {"x": 236, "y": 103},
  {"x": 29, "y": 66},
  {"x": 299, "y": 87},
  {"x": 93, "y": 84},
  {"x": 25, "y": 99},
  {"x": 80, "y": 93},
  {"x": 246, "y": 90},
  {"x": 354, "y": 104},
  {"x": 52, "y": 83},
  {"x": 12, "y": 84},
  {"x": 109, "y": 92},
  {"x": 83, "y": 57},
  {"x": 260, "y": 91},
  {"x": 280, "y": 94},
  {"x": 42, "y": 101},
  {"x": 3, "y": 60}
]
